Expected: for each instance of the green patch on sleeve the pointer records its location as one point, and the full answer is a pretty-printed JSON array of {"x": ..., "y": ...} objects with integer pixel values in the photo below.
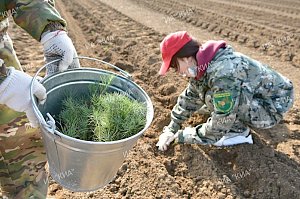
[{"x": 223, "y": 101}]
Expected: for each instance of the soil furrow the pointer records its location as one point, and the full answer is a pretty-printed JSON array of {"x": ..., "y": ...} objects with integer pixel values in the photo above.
[{"x": 274, "y": 41}]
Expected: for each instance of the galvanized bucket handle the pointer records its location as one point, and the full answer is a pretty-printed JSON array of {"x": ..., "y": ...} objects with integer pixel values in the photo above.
[
  {"x": 123, "y": 72},
  {"x": 50, "y": 124}
]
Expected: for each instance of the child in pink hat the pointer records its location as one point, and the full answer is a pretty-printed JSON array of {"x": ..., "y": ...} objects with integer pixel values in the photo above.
[{"x": 237, "y": 91}]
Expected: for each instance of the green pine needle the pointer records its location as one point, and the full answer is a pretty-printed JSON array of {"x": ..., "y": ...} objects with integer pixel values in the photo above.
[
  {"x": 116, "y": 116},
  {"x": 106, "y": 117}
]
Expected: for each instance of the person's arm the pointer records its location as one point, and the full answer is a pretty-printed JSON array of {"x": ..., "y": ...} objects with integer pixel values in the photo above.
[
  {"x": 226, "y": 102},
  {"x": 43, "y": 22},
  {"x": 34, "y": 16},
  {"x": 189, "y": 101},
  {"x": 14, "y": 91}
]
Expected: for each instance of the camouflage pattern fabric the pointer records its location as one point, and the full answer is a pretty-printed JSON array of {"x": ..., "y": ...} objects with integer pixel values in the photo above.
[
  {"x": 23, "y": 159},
  {"x": 7, "y": 52},
  {"x": 31, "y": 15},
  {"x": 238, "y": 92},
  {"x": 22, "y": 155}
]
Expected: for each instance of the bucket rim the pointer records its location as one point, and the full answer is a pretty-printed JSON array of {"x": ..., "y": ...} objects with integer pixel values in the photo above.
[{"x": 149, "y": 114}]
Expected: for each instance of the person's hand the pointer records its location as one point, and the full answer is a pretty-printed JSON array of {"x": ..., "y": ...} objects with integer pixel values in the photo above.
[
  {"x": 189, "y": 135},
  {"x": 165, "y": 139},
  {"x": 58, "y": 45},
  {"x": 15, "y": 93}
]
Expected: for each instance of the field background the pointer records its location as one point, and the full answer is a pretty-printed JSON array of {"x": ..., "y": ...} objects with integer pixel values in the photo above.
[{"x": 127, "y": 33}]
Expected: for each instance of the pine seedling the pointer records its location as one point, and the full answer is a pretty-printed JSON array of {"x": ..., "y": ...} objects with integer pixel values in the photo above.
[
  {"x": 116, "y": 116},
  {"x": 75, "y": 118},
  {"x": 104, "y": 116}
]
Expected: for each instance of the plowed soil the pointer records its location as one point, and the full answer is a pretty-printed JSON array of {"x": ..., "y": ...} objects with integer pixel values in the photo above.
[{"x": 127, "y": 33}]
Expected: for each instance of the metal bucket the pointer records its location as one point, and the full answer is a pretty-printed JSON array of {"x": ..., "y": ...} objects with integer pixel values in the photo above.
[{"x": 76, "y": 164}]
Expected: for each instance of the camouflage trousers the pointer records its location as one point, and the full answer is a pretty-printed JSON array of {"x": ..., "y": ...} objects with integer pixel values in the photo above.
[
  {"x": 22, "y": 155},
  {"x": 265, "y": 112},
  {"x": 260, "y": 113},
  {"x": 23, "y": 158}
]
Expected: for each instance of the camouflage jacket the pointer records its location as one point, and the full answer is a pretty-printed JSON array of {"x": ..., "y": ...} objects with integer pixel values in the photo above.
[
  {"x": 34, "y": 16},
  {"x": 31, "y": 15},
  {"x": 228, "y": 86}
]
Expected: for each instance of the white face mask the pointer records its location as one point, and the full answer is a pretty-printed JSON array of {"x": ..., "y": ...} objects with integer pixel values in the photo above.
[
  {"x": 188, "y": 67},
  {"x": 193, "y": 71}
]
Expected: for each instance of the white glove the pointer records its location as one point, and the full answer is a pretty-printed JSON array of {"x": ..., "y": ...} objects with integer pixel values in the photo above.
[
  {"x": 165, "y": 139},
  {"x": 58, "y": 45},
  {"x": 15, "y": 93}
]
